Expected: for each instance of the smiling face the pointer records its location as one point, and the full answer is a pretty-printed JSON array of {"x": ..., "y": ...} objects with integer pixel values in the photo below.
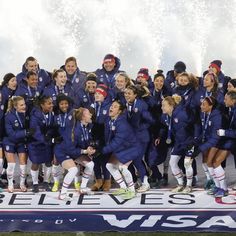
[
  {"x": 12, "y": 83},
  {"x": 109, "y": 65},
  {"x": 71, "y": 67},
  {"x": 142, "y": 81},
  {"x": 61, "y": 79},
  {"x": 20, "y": 106},
  {"x": 86, "y": 117},
  {"x": 90, "y": 86},
  {"x": 32, "y": 81},
  {"x": 183, "y": 80},
  {"x": 120, "y": 82},
  {"x": 213, "y": 70},
  {"x": 99, "y": 97},
  {"x": 159, "y": 83},
  {"x": 47, "y": 106},
  {"x": 32, "y": 66},
  {"x": 130, "y": 96},
  {"x": 230, "y": 87},
  {"x": 63, "y": 106},
  {"x": 114, "y": 110},
  {"x": 208, "y": 81}
]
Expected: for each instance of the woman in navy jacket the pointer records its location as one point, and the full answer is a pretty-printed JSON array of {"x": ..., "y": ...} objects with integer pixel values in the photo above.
[
  {"x": 31, "y": 64},
  {"x": 63, "y": 120},
  {"x": 122, "y": 81},
  {"x": 101, "y": 108},
  {"x": 17, "y": 133},
  {"x": 140, "y": 119},
  {"x": 41, "y": 147},
  {"x": 76, "y": 147},
  {"x": 187, "y": 85},
  {"x": 29, "y": 89},
  {"x": 122, "y": 147},
  {"x": 8, "y": 88},
  {"x": 186, "y": 88},
  {"x": 226, "y": 144},
  {"x": 179, "y": 133},
  {"x": 210, "y": 88},
  {"x": 85, "y": 97},
  {"x": 61, "y": 86},
  {"x": 158, "y": 154},
  {"x": 206, "y": 139},
  {"x": 74, "y": 74}
]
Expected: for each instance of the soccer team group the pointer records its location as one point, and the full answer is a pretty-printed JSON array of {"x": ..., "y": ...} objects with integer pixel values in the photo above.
[{"x": 106, "y": 125}]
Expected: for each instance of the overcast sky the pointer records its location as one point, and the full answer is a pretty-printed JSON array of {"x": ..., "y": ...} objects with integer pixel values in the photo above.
[{"x": 147, "y": 33}]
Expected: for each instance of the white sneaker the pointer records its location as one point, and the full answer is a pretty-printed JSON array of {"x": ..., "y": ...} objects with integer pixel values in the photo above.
[
  {"x": 187, "y": 189},
  {"x": 85, "y": 191},
  {"x": 10, "y": 189},
  {"x": 178, "y": 189},
  {"x": 64, "y": 197},
  {"x": 143, "y": 188}
]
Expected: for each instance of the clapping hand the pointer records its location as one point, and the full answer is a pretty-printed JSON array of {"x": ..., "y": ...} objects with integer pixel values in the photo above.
[{"x": 91, "y": 150}]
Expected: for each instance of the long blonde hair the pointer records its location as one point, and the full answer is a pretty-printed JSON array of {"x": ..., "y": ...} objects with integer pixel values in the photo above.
[
  {"x": 173, "y": 100},
  {"x": 12, "y": 102}
]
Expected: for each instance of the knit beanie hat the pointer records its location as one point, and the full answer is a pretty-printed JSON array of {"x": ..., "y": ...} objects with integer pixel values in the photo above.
[
  {"x": 143, "y": 72},
  {"x": 102, "y": 89},
  {"x": 216, "y": 64}
]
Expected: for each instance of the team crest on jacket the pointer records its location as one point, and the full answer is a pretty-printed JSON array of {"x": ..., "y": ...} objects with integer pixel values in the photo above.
[
  {"x": 176, "y": 120},
  {"x": 16, "y": 123},
  {"x": 113, "y": 128},
  {"x": 2, "y": 107},
  {"x": 104, "y": 112},
  {"x": 220, "y": 85},
  {"x": 69, "y": 117},
  {"x": 209, "y": 123},
  {"x": 40, "y": 79},
  {"x": 85, "y": 99},
  {"x": 135, "y": 109},
  {"x": 77, "y": 80}
]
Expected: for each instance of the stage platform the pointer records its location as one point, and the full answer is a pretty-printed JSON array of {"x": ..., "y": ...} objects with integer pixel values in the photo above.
[{"x": 155, "y": 210}]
